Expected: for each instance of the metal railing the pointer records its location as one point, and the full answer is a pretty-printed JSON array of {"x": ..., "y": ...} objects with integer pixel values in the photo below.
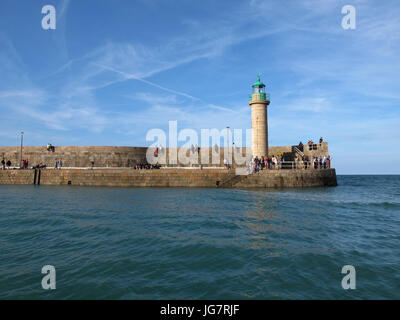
[
  {"x": 295, "y": 165},
  {"x": 296, "y": 149},
  {"x": 259, "y": 97}
]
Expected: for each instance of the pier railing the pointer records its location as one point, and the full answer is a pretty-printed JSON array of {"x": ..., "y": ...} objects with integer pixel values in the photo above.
[
  {"x": 281, "y": 165},
  {"x": 297, "y": 165}
]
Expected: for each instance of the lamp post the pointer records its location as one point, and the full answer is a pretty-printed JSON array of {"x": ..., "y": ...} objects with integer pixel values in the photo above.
[
  {"x": 20, "y": 157},
  {"x": 227, "y": 133}
]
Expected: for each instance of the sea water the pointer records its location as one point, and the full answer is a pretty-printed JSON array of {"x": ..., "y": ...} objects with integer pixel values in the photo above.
[{"x": 184, "y": 243}]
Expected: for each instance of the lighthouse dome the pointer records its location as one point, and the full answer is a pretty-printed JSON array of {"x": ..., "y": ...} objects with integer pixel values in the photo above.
[{"x": 258, "y": 83}]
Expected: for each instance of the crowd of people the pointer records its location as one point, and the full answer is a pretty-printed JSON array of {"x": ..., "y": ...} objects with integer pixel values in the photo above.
[
  {"x": 25, "y": 164},
  {"x": 7, "y": 164},
  {"x": 146, "y": 166},
  {"x": 310, "y": 144},
  {"x": 278, "y": 162},
  {"x": 266, "y": 163},
  {"x": 58, "y": 164},
  {"x": 320, "y": 162}
]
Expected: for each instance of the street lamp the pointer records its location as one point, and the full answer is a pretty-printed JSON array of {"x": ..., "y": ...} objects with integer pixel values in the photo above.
[
  {"x": 227, "y": 132},
  {"x": 20, "y": 157}
]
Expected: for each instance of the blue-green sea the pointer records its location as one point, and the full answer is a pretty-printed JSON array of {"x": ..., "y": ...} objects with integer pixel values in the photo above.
[{"x": 160, "y": 243}]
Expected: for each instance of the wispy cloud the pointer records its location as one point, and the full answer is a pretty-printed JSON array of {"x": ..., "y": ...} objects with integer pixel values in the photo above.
[
  {"x": 63, "y": 9},
  {"x": 128, "y": 76}
]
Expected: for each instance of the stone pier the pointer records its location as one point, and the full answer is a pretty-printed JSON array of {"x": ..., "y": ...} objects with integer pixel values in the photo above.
[{"x": 210, "y": 178}]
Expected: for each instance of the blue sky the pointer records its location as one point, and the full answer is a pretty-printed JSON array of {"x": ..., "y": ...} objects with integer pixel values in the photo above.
[{"x": 112, "y": 70}]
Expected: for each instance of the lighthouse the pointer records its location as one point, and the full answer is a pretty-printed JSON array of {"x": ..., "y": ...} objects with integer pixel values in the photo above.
[{"x": 258, "y": 101}]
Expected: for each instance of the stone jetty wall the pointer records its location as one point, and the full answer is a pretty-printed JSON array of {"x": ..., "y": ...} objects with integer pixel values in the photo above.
[
  {"x": 172, "y": 178},
  {"x": 77, "y": 156},
  {"x": 114, "y": 156},
  {"x": 289, "y": 179}
]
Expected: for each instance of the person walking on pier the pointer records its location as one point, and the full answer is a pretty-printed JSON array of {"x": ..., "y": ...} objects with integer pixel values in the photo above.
[
  {"x": 266, "y": 160},
  {"x": 59, "y": 164},
  {"x": 3, "y": 164},
  {"x": 275, "y": 160}
]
